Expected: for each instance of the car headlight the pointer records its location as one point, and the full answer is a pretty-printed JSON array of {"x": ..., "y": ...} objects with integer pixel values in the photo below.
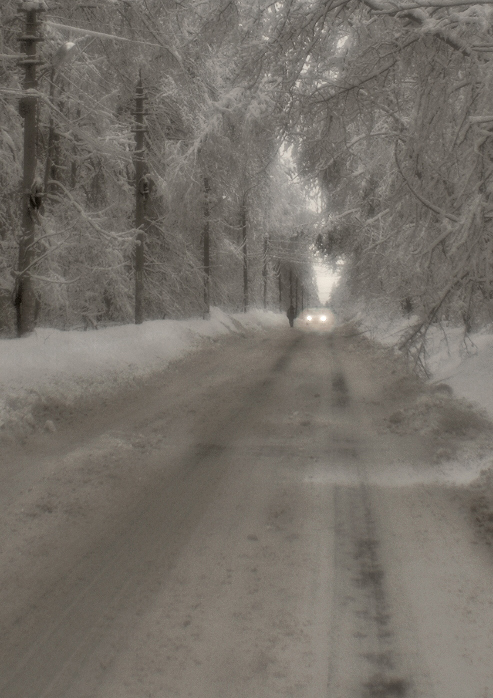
[
  {"x": 323, "y": 318},
  {"x": 308, "y": 317}
]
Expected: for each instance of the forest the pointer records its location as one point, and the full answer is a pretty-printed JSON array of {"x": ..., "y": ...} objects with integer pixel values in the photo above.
[
  {"x": 177, "y": 148},
  {"x": 204, "y": 209}
]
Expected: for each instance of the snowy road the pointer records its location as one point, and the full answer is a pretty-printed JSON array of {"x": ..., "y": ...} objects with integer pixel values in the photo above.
[{"x": 268, "y": 518}]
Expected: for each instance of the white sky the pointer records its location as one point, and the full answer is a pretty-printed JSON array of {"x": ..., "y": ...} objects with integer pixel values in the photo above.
[{"x": 326, "y": 281}]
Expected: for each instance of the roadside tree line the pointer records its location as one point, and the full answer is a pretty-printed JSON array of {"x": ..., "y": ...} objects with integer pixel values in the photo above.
[
  {"x": 214, "y": 213},
  {"x": 384, "y": 110}
]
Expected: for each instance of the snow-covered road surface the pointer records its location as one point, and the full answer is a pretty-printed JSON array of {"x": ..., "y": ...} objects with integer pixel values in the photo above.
[{"x": 276, "y": 516}]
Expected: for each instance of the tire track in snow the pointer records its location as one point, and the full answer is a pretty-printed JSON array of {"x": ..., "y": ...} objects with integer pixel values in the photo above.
[
  {"x": 42, "y": 653},
  {"x": 365, "y": 661}
]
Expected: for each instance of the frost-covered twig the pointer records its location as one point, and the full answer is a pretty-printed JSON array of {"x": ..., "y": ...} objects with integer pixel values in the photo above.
[
  {"x": 424, "y": 201},
  {"x": 124, "y": 236},
  {"x": 54, "y": 281},
  {"x": 39, "y": 259}
]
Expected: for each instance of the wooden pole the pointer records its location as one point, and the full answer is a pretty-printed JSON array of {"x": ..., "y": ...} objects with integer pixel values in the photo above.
[{"x": 24, "y": 297}]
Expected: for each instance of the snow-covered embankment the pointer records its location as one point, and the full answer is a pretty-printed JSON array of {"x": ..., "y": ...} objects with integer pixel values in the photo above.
[{"x": 56, "y": 368}]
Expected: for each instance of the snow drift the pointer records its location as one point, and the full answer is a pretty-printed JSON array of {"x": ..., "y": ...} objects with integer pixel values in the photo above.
[{"x": 53, "y": 367}]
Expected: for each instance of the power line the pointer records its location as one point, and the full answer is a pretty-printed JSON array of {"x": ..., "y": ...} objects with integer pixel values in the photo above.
[{"x": 101, "y": 35}]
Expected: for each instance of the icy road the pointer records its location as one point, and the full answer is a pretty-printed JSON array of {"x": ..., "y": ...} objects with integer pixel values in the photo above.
[{"x": 272, "y": 516}]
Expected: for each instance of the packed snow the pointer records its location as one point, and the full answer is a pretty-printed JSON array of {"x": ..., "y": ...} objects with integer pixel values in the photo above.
[
  {"x": 62, "y": 367},
  {"x": 52, "y": 371}
]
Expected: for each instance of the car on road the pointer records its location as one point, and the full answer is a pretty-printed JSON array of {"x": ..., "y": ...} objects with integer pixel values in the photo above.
[{"x": 322, "y": 319}]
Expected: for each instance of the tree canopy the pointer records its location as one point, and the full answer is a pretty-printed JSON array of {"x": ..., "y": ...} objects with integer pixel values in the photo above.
[
  {"x": 388, "y": 106},
  {"x": 381, "y": 109}
]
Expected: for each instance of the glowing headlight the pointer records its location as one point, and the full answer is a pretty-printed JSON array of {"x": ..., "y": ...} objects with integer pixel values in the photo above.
[
  {"x": 308, "y": 317},
  {"x": 323, "y": 318}
]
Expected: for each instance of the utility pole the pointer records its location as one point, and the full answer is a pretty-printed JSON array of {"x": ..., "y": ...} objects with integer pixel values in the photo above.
[
  {"x": 31, "y": 199},
  {"x": 141, "y": 196},
  {"x": 207, "y": 265}
]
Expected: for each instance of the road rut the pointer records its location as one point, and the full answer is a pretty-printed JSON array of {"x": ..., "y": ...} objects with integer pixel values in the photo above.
[{"x": 251, "y": 524}]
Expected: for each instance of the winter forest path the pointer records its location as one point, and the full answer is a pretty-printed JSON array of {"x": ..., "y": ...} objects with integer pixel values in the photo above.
[{"x": 268, "y": 518}]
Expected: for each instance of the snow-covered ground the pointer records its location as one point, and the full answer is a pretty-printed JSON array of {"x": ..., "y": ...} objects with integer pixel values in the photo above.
[
  {"x": 52, "y": 367},
  {"x": 273, "y": 522},
  {"x": 271, "y": 516},
  {"x": 463, "y": 361},
  {"x": 55, "y": 367}
]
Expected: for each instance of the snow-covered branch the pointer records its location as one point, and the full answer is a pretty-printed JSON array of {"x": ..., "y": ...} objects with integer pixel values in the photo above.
[{"x": 422, "y": 199}]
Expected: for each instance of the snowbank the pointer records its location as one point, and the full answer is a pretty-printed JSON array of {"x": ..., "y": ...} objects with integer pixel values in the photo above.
[
  {"x": 465, "y": 362},
  {"x": 52, "y": 367},
  {"x": 461, "y": 362}
]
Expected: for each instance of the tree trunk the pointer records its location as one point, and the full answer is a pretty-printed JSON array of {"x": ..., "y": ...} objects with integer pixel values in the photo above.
[
  {"x": 206, "y": 242},
  {"x": 264, "y": 269},
  {"x": 279, "y": 278},
  {"x": 24, "y": 297},
  {"x": 141, "y": 193},
  {"x": 245, "y": 253}
]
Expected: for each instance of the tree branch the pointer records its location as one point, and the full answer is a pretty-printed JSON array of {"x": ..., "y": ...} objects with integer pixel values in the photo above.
[{"x": 420, "y": 198}]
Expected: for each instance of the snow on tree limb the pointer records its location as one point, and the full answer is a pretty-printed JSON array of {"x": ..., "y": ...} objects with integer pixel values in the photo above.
[
  {"x": 101, "y": 35},
  {"x": 421, "y": 198}
]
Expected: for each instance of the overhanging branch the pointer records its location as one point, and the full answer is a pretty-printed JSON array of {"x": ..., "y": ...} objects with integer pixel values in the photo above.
[{"x": 425, "y": 202}]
